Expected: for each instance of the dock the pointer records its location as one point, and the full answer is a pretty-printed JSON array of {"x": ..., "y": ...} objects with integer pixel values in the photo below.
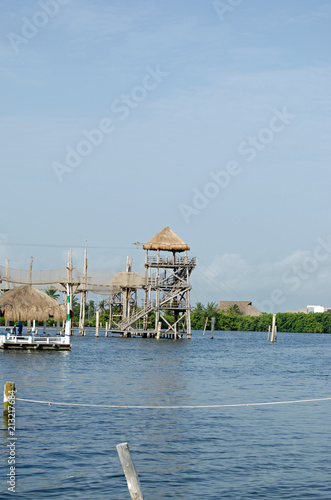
[{"x": 34, "y": 342}]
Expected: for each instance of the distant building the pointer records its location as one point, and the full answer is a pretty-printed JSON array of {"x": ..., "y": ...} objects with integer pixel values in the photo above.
[
  {"x": 316, "y": 309},
  {"x": 312, "y": 309},
  {"x": 245, "y": 307}
]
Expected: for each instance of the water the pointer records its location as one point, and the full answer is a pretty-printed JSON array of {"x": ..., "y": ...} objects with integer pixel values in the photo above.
[{"x": 271, "y": 452}]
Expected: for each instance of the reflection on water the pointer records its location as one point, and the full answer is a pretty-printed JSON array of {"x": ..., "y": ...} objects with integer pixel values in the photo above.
[{"x": 248, "y": 452}]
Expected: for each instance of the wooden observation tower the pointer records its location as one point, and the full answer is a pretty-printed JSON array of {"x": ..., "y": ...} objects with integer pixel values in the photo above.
[{"x": 166, "y": 288}]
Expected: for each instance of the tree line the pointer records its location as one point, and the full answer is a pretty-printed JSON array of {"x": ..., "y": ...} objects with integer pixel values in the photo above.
[
  {"x": 232, "y": 320},
  {"x": 229, "y": 320}
]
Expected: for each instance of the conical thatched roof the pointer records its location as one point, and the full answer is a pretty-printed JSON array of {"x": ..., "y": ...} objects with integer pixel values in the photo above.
[
  {"x": 166, "y": 240},
  {"x": 27, "y": 303}
]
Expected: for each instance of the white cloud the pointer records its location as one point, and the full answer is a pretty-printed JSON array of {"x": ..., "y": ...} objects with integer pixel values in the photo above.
[{"x": 299, "y": 277}]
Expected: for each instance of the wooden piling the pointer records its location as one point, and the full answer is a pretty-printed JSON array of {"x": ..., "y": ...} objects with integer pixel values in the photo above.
[
  {"x": 204, "y": 330},
  {"x": 158, "y": 334},
  {"x": 97, "y": 324},
  {"x": 8, "y": 392},
  {"x": 269, "y": 331},
  {"x": 130, "y": 472},
  {"x": 212, "y": 328},
  {"x": 273, "y": 330}
]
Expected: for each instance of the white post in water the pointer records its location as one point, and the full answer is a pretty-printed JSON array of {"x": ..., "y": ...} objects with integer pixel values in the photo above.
[
  {"x": 68, "y": 322},
  {"x": 130, "y": 472},
  {"x": 158, "y": 332},
  {"x": 97, "y": 324},
  {"x": 106, "y": 332},
  {"x": 273, "y": 330},
  {"x": 269, "y": 331}
]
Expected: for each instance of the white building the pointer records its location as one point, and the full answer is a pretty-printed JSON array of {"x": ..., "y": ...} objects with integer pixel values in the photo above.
[{"x": 316, "y": 309}]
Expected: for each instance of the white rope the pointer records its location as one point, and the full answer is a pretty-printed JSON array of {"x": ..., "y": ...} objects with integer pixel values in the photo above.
[{"x": 172, "y": 407}]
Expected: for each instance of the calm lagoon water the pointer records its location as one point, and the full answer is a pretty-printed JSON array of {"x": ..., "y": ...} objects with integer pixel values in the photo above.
[{"x": 261, "y": 452}]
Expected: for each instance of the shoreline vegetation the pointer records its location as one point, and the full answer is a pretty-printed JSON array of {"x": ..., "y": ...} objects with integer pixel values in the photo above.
[{"x": 231, "y": 320}]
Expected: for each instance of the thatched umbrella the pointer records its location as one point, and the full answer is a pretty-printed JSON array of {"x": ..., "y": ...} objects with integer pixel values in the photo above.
[
  {"x": 25, "y": 303},
  {"x": 166, "y": 240}
]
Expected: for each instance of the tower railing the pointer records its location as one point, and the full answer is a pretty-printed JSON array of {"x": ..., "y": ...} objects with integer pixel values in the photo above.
[{"x": 168, "y": 261}]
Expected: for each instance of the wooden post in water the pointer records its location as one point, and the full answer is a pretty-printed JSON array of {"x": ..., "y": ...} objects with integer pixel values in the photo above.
[
  {"x": 269, "y": 331},
  {"x": 67, "y": 331},
  {"x": 273, "y": 330},
  {"x": 212, "y": 328},
  {"x": 28, "y": 323},
  {"x": 158, "y": 334},
  {"x": 7, "y": 327},
  {"x": 83, "y": 296},
  {"x": 130, "y": 472},
  {"x": 204, "y": 330},
  {"x": 97, "y": 324},
  {"x": 8, "y": 392},
  {"x": 106, "y": 332}
]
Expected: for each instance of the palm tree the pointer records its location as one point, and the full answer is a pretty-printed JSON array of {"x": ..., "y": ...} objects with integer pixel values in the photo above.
[
  {"x": 233, "y": 310},
  {"x": 75, "y": 301},
  {"x": 211, "y": 309},
  {"x": 102, "y": 306},
  {"x": 52, "y": 292},
  {"x": 90, "y": 306},
  {"x": 199, "y": 307}
]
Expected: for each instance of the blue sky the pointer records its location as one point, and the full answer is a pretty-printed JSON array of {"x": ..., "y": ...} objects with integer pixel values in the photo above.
[{"x": 183, "y": 93}]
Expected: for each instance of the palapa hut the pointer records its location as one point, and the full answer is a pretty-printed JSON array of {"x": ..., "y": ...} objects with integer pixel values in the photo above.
[
  {"x": 166, "y": 240},
  {"x": 25, "y": 303}
]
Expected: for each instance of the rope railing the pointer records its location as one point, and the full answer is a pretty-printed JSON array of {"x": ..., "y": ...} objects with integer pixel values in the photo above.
[{"x": 174, "y": 407}]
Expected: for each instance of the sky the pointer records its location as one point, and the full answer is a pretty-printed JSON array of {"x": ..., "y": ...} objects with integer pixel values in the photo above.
[{"x": 211, "y": 117}]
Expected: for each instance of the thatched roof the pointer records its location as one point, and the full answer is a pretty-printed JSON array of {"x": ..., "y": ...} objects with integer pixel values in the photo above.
[
  {"x": 166, "y": 240},
  {"x": 27, "y": 303},
  {"x": 246, "y": 308}
]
